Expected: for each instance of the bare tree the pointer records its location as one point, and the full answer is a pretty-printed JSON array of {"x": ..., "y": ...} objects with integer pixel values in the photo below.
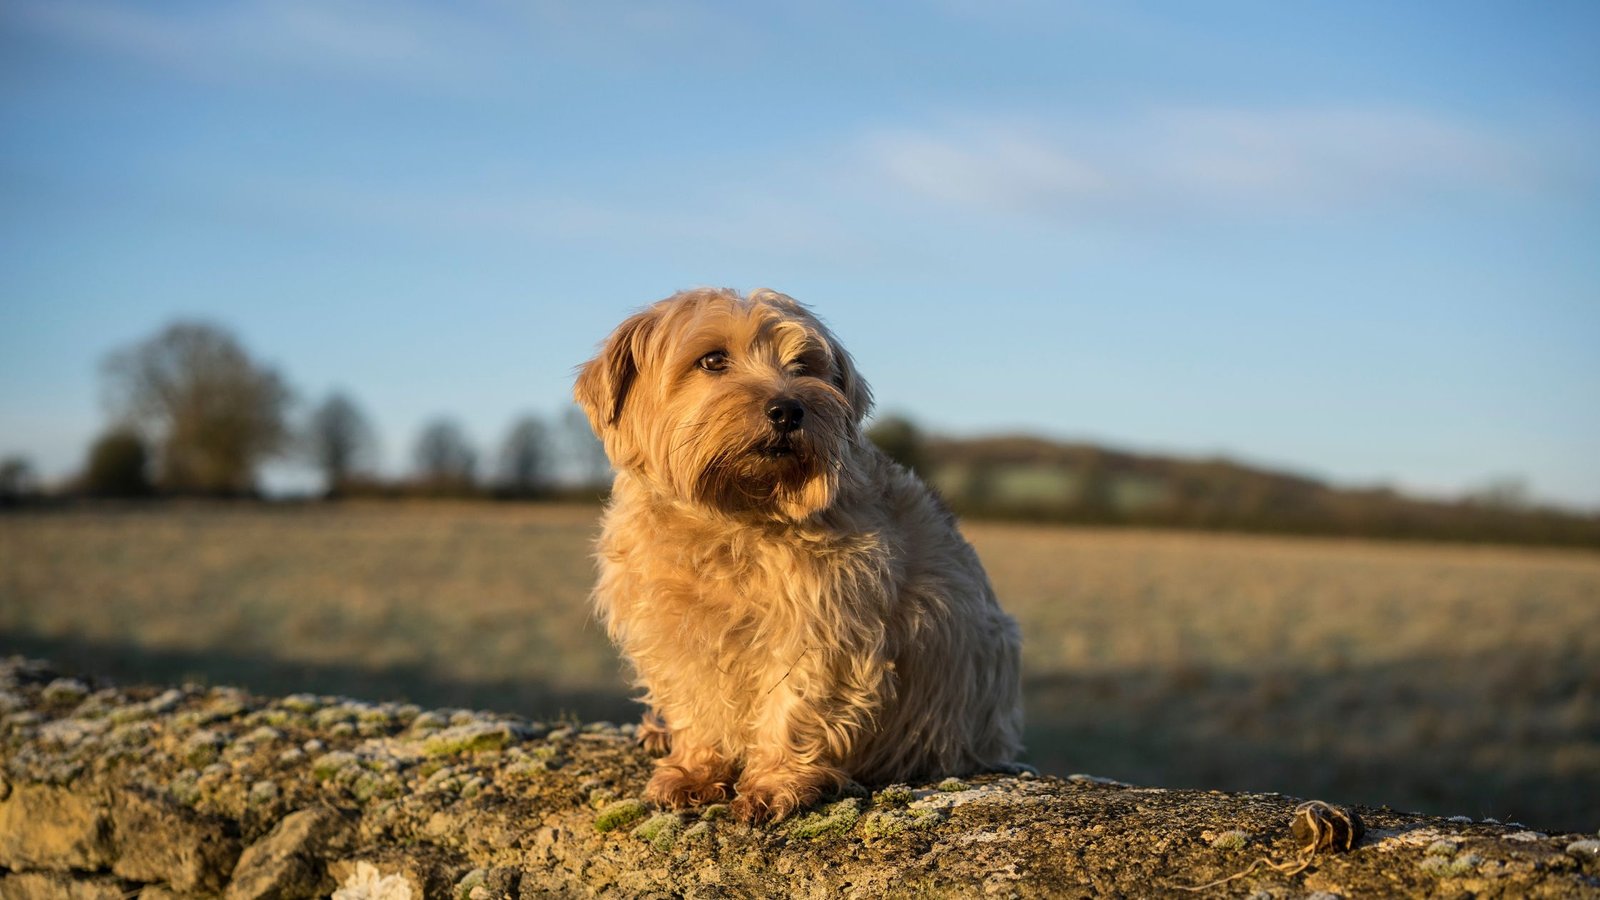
[
  {"x": 445, "y": 458},
  {"x": 588, "y": 455},
  {"x": 340, "y": 441},
  {"x": 194, "y": 392},
  {"x": 525, "y": 457}
]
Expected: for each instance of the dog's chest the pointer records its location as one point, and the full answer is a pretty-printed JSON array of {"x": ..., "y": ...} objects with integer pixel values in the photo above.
[{"x": 718, "y": 588}]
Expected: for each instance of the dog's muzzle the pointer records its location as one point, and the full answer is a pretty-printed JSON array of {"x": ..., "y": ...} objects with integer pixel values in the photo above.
[{"x": 785, "y": 414}]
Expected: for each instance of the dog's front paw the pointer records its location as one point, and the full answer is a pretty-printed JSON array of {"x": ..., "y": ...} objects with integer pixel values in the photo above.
[
  {"x": 758, "y": 803},
  {"x": 674, "y": 787}
]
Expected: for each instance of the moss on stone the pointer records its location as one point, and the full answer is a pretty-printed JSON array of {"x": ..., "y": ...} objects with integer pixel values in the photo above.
[
  {"x": 894, "y": 795},
  {"x": 951, "y": 785},
  {"x": 882, "y": 823},
  {"x": 660, "y": 830},
  {"x": 832, "y": 821},
  {"x": 618, "y": 814},
  {"x": 370, "y": 785}
]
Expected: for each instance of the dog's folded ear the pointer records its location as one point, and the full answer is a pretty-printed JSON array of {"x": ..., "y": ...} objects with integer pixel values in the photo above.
[
  {"x": 849, "y": 381},
  {"x": 603, "y": 382}
]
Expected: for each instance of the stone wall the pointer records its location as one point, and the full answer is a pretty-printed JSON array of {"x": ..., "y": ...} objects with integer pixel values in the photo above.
[{"x": 206, "y": 792}]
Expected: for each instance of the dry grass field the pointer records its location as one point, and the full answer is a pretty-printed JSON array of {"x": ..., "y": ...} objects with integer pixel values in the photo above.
[{"x": 1446, "y": 679}]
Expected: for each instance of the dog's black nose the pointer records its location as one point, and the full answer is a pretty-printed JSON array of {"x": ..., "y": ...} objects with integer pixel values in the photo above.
[{"x": 785, "y": 414}]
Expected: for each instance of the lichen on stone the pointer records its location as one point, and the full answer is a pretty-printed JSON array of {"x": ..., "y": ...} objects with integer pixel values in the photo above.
[
  {"x": 64, "y": 692},
  {"x": 330, "y": 765},
  {"x": 464, "y": 887},
  {"x": 1442, "y": 847},
  {"x": 476, "y": 737},
  {"x": 1450, "y": 867},
  {"x": 1231, "y": 840},
  {"x": 1586, "y": 847},
  {"x": 301, "y": 703},
  {"x": 264, "y": 792},
  {"x": 185, "y": 787}
]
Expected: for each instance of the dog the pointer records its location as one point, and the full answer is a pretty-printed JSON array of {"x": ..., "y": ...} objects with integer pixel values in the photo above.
[{"x": 799, "y": 610}]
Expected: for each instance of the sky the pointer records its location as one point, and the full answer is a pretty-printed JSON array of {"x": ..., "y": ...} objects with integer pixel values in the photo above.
[{"x": 1358, "y": 241}]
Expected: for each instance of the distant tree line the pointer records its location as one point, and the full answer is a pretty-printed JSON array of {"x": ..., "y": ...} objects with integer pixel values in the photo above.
[{"x": 193, "y": 414}]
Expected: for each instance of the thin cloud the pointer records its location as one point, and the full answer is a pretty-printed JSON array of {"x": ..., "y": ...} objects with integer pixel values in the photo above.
[
  {"x": 1003, "y": 169},
  {"x": 484, "y": 45},
  {"x": 742, "y": 218},
  {"x": 396, "y": 42},
  {"x": 1201, "y": 160}
]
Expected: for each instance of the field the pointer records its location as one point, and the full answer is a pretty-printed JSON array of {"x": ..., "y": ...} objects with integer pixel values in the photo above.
[{"x": 1445, "y": 679}]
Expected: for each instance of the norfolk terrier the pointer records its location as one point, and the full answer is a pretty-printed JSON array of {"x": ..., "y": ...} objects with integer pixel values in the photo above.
[{"x": 799, "y": 610}]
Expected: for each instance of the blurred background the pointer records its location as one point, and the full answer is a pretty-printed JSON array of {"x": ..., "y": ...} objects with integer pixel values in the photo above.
[{"x": 1255, "y": 343}]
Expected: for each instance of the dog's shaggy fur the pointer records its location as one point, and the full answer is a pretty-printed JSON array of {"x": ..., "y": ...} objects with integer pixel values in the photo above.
[{"x": 799, "y": 609}]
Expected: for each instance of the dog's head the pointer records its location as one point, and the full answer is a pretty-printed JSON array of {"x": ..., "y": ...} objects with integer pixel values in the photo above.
[{"x": 744, "y": 404}]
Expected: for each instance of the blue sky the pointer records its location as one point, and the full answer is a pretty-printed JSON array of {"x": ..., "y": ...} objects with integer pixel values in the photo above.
[{"x": 1354, "y": 240}]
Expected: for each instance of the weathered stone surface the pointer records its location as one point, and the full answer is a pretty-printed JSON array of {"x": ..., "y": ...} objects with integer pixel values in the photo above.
[
  {"x": 312, "y": 787},
  {"x": 49, "y": 886},
  {"x": 43, "y": 826},
  {"x": 288, "y": 863},
  {"x": 159, "y": 841}
]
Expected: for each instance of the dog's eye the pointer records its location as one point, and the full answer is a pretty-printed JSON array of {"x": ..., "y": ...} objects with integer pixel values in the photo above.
[{"x": 715, "y": 361}]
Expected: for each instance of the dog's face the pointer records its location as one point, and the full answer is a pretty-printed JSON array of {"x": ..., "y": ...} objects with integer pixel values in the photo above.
[{"x": 743, "y": 404}]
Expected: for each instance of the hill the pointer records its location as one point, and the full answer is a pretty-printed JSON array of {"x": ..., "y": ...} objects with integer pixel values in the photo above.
[{"x": 1023, "y": 477}]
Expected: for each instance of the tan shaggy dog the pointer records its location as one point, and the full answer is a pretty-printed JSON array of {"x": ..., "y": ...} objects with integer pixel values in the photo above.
[{"x": 799, "y": 609}]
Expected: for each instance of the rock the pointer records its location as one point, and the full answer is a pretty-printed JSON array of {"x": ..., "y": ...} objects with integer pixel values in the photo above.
[
  {"x": 48, "y": 886},
  {"x": 50, "y": 827},
  {"x": 475, "y": 806},
  {"x": 288, "y": 862},
  {"x": 162, "y": 842}
]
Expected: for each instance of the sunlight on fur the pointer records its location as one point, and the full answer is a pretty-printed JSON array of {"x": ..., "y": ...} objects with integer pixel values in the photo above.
[{"x": 798, "y": 609}]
